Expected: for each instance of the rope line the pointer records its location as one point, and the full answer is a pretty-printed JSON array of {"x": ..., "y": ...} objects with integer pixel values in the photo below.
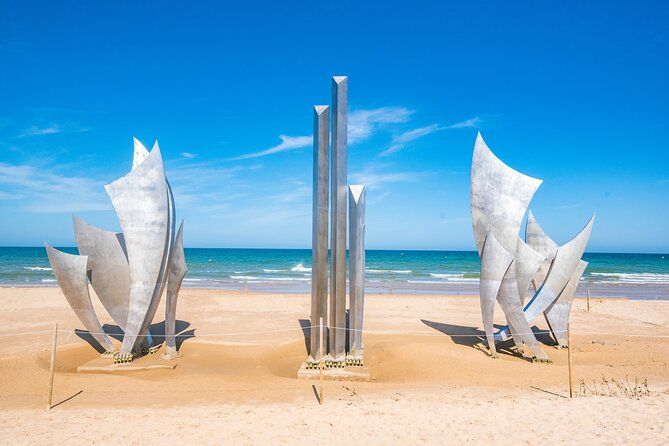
[{"x": 452, "y": 335}]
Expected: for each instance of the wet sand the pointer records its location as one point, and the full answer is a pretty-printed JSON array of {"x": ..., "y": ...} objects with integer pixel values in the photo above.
[{"x": 432, "y": 381}]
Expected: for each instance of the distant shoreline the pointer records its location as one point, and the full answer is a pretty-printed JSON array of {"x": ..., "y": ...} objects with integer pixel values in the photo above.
[
  {"x": 631, "y": 292},
  {"x": 637, "y": 276}
]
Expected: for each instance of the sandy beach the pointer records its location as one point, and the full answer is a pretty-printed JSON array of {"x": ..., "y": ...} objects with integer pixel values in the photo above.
[{"x": 431, "y": 381}]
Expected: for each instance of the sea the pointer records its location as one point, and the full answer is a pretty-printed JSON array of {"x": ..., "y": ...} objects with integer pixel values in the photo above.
[{"x": 635, "y": 276}]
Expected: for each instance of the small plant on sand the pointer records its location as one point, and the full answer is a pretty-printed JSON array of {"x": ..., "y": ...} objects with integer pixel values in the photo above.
[{"x": 616, "y": 388}]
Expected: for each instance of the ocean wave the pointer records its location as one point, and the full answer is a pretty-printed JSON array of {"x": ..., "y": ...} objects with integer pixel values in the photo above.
[
  {"x": 188, "y": 279},
  {"x": 48, "y": 280},
  {"x": 426, "y": 281},
  {"x": 274, "y": 270},
  {"x": 389, "y": 271},
  {"x": 446, "y": 276},
  {"x": 453, "y": 277},
  {"x": 301, "y": 268},
  {"x": 632, "y": 277},
  {"x": 271, "y": 279},
  {"x": 36, "y": 268}
]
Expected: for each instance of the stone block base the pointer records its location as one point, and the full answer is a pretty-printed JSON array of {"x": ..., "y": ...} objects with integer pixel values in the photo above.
[{"x": 348, "y": 373}]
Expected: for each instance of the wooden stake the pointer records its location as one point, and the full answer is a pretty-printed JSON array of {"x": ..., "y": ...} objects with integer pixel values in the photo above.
[
  {"x": 571, "y": 375},
  {"x": 587, "y": 299},
  {"x": 52, "y": 368},
  {"x": 320, "y": 361}
]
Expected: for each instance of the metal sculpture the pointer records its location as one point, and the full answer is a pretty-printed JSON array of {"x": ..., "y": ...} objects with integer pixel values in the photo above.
[
  {"x": 338, "y": 196},
  {"x": 341, "y": 350},
  {"x": 319, "y": 236},
  {"x": 129, "y": 270},
  {"x": 70, "y": 272},
  {"x": 108, "y": 267},
  {"x": 557, "y": 313},
  {"x": 175, "y": 277},
  {"x": 356, "y": 213},
  {"x": 499, "y": 200}
]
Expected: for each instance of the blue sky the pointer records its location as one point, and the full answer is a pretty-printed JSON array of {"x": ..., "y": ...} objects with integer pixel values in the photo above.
[{"x": 573, "y": 93}]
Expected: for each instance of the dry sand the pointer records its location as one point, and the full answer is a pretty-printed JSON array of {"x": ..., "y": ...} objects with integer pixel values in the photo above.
[{"x": 236, "y": 384}]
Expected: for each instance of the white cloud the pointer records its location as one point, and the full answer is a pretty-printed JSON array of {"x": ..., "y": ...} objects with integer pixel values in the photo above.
[
  {"x": 34, "y": 130},
  {"x": 363, "y": 123},
  {"x": 43, "y": 190},
  {"x": 188, "y": 155},
  {"x": 51, "y": 129},
  {"x": 468, "y": 123},
  {"x": 398, "y": 142},
  {"x": 375, "y": 176},
  {"x": 287, "y": 143}
]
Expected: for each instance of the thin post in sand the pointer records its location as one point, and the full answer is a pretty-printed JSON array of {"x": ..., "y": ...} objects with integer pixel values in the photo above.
[
  {"x": 52, "y": 367},
  {"x": 320, "y": 362},
  {"x": 569, "y": 360},
  {"x": 587, "y": 300}
]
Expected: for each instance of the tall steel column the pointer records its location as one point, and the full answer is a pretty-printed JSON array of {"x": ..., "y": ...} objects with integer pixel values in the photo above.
[
  {"x": 319, "y": 223},
  {"x": 356, "y": 246},
  {"x": 338, "y": 195}
]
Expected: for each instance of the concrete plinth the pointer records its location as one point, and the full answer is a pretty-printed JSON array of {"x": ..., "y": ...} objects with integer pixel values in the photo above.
[
  {"x": 106, "y": 365},
  {"x": 349, "y": 373}
]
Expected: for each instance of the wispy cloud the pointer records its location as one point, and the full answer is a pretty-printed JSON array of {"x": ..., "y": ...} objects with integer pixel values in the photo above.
[
  {"x": 45, "y": 191},
  {"x": 399, "y": 141},
  {"x": 468, "y": 123},
  {"x": 34, "y": 130},
  {"x": 188, "y": 155},
  {"x": 567, "y": 206},
  {"x": 374, "y": 176},
  {"x": 51, "y": 129},
  {"x": 287, "y": 143},
  {"x": 363, "y": 123}
]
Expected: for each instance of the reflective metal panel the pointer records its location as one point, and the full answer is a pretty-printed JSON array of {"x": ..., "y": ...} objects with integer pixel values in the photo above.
[
  {"x": 108, "y": 267},
  {"x": 141, "y": 201},
  {"x": 70, "y": 272}
]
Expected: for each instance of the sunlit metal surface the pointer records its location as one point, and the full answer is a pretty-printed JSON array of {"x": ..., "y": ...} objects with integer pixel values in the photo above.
[{"x": 70, "y": 272}]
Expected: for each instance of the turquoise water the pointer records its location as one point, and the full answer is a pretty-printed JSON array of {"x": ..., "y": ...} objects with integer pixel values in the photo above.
[{"x": 631, "y": 275}]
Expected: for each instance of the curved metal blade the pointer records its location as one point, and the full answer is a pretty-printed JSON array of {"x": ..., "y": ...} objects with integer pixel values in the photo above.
[
  {"x": 70, "y": 272},
  {"x": 108, "y": 266}
]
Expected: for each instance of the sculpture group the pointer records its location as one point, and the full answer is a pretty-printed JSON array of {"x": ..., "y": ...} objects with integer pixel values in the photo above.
[
  {"x": 500, "y": 197},
  {"x": 128, "y": 270},
  {"x": 329, "y": 174}
]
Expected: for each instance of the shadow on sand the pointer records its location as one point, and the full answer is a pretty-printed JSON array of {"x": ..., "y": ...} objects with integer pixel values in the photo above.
[
  {"x": 305, "y": 325},
  {"x": 475, "y": 338},
  {"x": 157, "y": 331}
]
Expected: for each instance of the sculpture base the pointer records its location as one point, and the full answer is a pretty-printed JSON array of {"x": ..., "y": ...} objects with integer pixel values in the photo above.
[
  {"x": 348, "y": 373},
  {"x": 105, "y": 365}
]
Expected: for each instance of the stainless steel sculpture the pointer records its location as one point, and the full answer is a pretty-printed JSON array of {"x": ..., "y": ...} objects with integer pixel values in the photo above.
[
  {"x": 70, "y": 272},
  {"x": 142, "y": 202},
  {"x": 129, "y": 270},
  {"x": 177, "y": 272},
  {"x": 338, "y": 220},
  {"x": 356, "y": 213},
  {"x": 108, "y": 267},
  {"x": 499, "y": 198},
  {"x": 319, "y": 223},
  {"x": 557, "y": 313},
  {"x": 341, "y": 350}
]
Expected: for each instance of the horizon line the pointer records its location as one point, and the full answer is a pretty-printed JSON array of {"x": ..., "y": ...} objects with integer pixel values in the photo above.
[{"x": 367, "y": 249}]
